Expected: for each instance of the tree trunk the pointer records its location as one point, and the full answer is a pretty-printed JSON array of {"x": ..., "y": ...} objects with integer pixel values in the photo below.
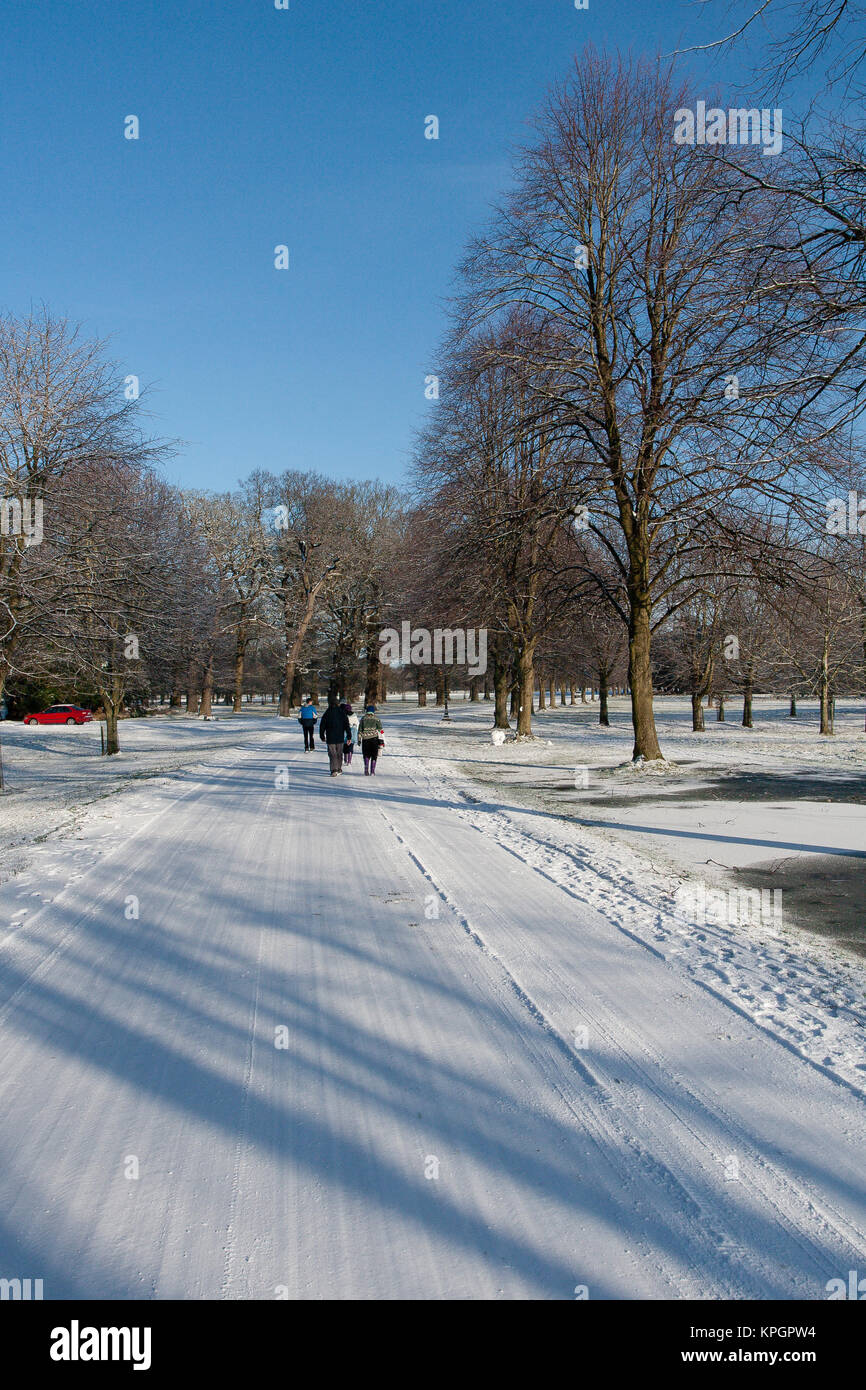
[
  {"x": 294, "y": 643},
  {"x": 698, "y": 725},
  {"x": 371, "y": 680},
  {"x": 192, "y": 700},
  {"x": 824, "y": 689},
  {"x": 792, "y": 712},
  {"x": 542, "y": 704},
  {"x": 207, "y": 688},
  {"x": 439, "y": 681},
  {"x": 240, "y": 658},
  {"x": 603, "y": 716},
  {"x": 286, "y": 689},
  {"x": 720, "y": 710},
  {"x": 747, "y": 704},
  {"x": 112, "y": 738},
  {"x": 526, "y": 677},
  {"x": 500, "y": 693},
  {"x": 473, "y": 688},
  {"x": 112, "y": 698},
  {"x": 338, "y": 681},
  {"x": 646, "y": 744}
]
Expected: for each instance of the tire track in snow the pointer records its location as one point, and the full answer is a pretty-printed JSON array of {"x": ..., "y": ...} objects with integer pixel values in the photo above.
[
  {"x": 808, "y": 1014},
  {"x": 796, "y": 1209},
  {"x": 611, "y": 1138},
  {"x": 526, "y": 1000},
  {"x": 243, "y": 1145},
  {"x": 18, "y": 936}
]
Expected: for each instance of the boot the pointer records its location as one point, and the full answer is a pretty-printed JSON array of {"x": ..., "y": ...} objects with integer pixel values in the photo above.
[{"x": 366, "y": 767}]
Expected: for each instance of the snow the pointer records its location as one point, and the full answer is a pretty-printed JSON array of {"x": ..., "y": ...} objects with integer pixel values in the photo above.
[
  {"x": 411, "y": 1037},
  {"x": 52, "y": 772},
  {"x": 722, "y": 802}
]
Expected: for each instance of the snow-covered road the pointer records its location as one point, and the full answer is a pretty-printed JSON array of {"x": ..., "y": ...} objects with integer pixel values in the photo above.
[{"x": 356, "y": 1046}]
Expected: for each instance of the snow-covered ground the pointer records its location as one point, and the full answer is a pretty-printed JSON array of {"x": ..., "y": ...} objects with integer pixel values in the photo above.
[
  {"x": 52, "y": 773},
  {"x": 269, "y": 1033},
  {"x": 777, "y": 808}
]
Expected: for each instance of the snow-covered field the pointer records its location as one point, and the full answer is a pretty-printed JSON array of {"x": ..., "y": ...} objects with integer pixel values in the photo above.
[
  {"x": 52, "y": 773},
  {"x": 776, "y": 806},
  {"x": 441, "y": 1033}
]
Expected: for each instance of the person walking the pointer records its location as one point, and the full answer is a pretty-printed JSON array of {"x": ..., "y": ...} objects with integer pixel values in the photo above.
[
  {"x": 333, "y": 730},
  {"x": 349, "y": 745},
  {"x": 307, "y": 720},
  {"x": 371, "y": 738}
]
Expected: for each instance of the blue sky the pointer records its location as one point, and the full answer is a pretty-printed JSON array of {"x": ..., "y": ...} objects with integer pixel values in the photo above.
[{"x": 261, "y": 127}]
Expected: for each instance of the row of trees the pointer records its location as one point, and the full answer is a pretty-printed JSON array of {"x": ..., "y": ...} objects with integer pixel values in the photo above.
[
  {"x": 648, "y": 401},
  {"x": 649, "y": 395},
  {"x": 136, "y": 590},
  {"x": 131, "y": 588}
]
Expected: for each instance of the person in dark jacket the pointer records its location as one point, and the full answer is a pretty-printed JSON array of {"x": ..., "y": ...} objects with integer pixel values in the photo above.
[
  {"x": 334, "y": 730},
  {"x": 309, "y": 715}
]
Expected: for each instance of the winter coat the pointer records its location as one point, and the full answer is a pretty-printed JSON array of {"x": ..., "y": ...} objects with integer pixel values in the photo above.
[
  {"x": 369, "y": 726},
  {"x": 309, "y": 714},
  {"x": 334, "y": 726},
  {"x": 353, "y": 728}
]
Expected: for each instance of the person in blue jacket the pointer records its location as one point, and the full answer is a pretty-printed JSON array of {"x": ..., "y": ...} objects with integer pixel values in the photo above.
[{"x": 307, "y": 721}]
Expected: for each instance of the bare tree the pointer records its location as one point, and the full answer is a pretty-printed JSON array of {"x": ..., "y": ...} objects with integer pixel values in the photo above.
[
  {"x": 505, "y": 478},
  {"x": 108, "y": 592},
  {"x": 305, "y": 533},
  {"x": 234, "y": 536},
  {"x": 656, "y": 285},
  {"x": 62, "y": 410}
]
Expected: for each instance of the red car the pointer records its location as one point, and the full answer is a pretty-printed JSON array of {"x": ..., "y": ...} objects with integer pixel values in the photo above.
[{"x": 60, "y": 714}]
